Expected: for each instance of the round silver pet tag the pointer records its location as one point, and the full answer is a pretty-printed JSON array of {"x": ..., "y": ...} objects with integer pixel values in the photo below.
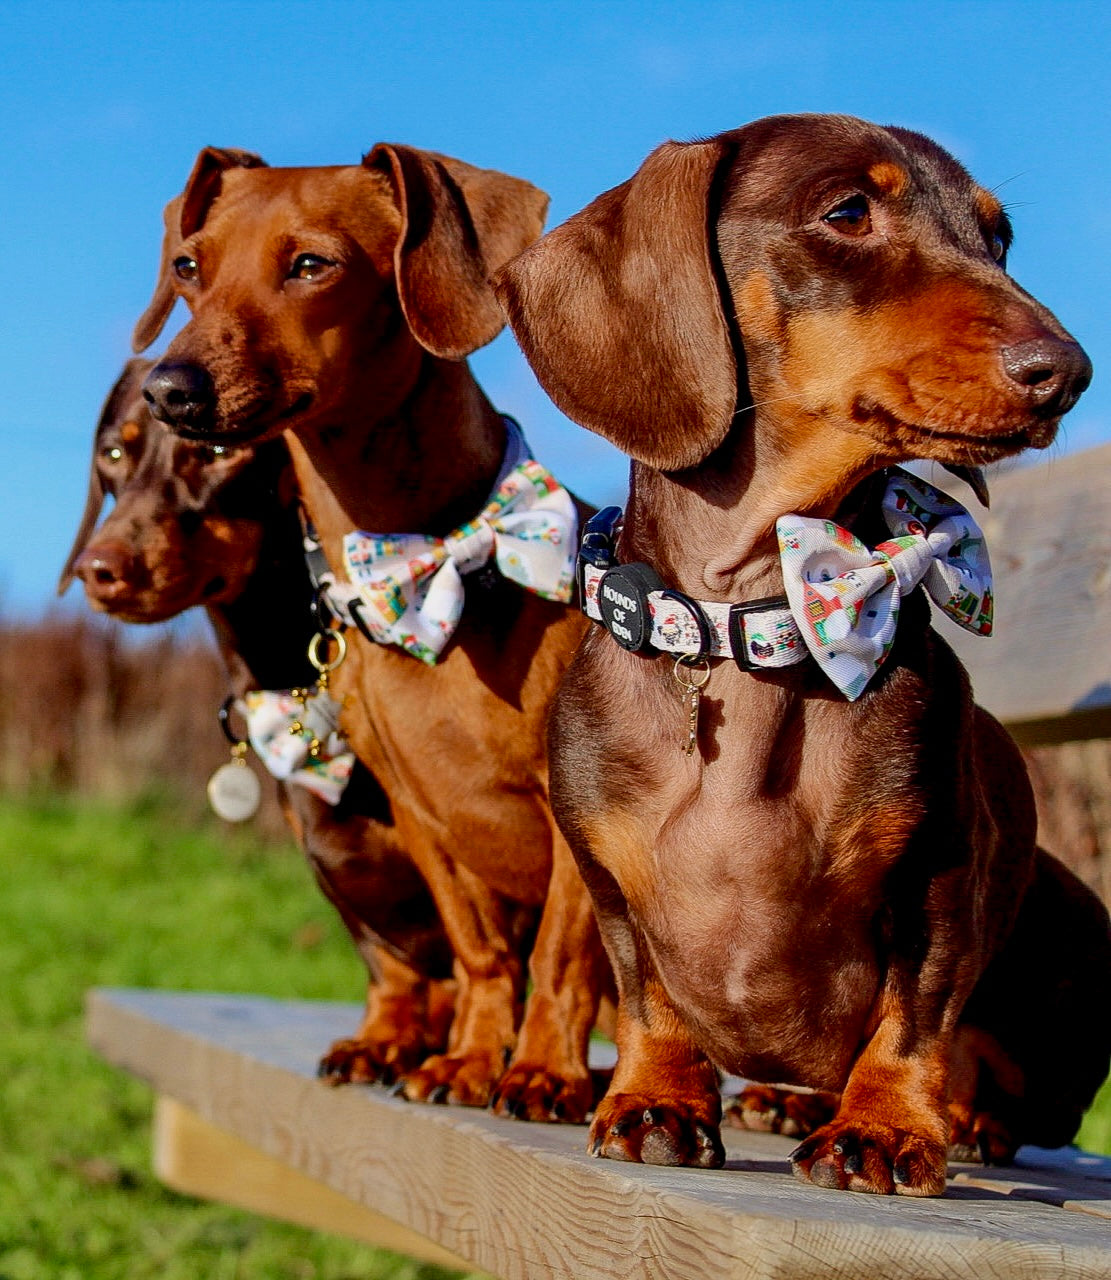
[{"x": 234, "y": 792}]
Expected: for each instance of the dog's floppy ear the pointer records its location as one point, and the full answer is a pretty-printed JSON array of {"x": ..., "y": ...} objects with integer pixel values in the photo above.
[
  {"x": 458, "y": 225},
  {"x": 126, "y": 389},
  {"x": 181, "y": 217},
  {"x": 620, "y": 315}
]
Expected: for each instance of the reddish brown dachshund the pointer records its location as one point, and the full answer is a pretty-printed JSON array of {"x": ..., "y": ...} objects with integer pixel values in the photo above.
[
  {"x": 337, "y": 305},
  {"x": 193, "y": 526},
  {"x": 765, "y": 320}
]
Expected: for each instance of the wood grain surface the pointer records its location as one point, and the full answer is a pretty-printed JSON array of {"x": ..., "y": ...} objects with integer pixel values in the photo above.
[{"x": 525, "y": 1202}]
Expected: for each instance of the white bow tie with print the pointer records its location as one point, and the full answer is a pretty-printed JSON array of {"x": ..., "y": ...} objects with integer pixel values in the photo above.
[
  {"x": 411, "y": 584},
  {"x": 845, "y": 598}
]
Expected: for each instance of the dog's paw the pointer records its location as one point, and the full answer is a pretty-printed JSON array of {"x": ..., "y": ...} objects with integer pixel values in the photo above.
[
  {"x": 463, "y": 1080},
  {"x": 980, "y": 1137},
  {"x": 528, "y": 1092},
  {"x": 769, "y": 1109},
  {"x": 371, "y": 1060},
  {"x": 850, "y": 1155},
  {"x": 631, "y": 1127}
]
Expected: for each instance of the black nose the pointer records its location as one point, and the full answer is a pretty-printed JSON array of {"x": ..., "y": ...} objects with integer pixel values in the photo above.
[
  {"x": 182, "y": 395},
  {"x": 1052, "y": 373}
]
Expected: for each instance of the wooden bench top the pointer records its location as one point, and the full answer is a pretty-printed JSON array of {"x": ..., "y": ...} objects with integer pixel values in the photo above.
[{"x": 525, "y": 1202}]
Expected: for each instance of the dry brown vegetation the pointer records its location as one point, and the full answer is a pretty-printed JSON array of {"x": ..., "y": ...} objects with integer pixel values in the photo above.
[{"x": 93, "y": 707}]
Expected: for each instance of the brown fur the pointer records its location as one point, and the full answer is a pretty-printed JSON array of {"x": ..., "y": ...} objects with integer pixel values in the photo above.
[
  {"x": 191, "y": 527},
  {"x": 820, "y": 890},
  {"x": 356, "y": 354}
]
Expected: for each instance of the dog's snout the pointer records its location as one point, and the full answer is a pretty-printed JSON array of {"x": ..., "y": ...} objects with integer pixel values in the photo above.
[
  {"x": 1051, "y": 373},
  {"x": 105, "y": 570},
  {"x": 182, "y": 395}
]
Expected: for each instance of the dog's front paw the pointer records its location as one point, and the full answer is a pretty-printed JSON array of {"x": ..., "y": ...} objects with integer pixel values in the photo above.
[
  {"x": 767, "y": 1108},
  {"x": 638, "y": 1128},
  {"x": 464, "y": 1080},
  {"x": 370, "y": 1060},
  {"x": 850, "y": 1155},
  {"x": 528, "y": 1092}
]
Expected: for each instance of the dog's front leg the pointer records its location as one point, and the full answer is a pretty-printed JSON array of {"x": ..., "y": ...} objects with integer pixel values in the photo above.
[
  {"x": 664, "y": 1104},
  {"x": 891, "y": 1131},
  {"x": 484, "y": 930},
  {"x": 548, "y": 1077}
]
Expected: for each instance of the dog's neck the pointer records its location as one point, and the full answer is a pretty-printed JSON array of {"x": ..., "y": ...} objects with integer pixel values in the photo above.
[
  {"x": 264, "y": 633},
  {"x": 426, "y": 466},
  {"x": 710, "y": 531}
]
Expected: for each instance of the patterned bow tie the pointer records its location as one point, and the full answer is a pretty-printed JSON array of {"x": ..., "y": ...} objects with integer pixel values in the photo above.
[
  {"x": 845, "y": 597},
  {"x": 282, "y": 728},
  {"x": 412, "y": 584}
]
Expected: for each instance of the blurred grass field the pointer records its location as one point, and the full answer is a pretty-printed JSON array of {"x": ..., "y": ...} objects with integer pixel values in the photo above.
[
  {"x": 93, "y": 894},
  {"x": 134, "y": 895}
]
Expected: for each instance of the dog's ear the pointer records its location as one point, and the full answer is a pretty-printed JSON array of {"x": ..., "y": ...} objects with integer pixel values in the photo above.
[
  {"x": 620, "y": 314},
  {"x": 458, "y": 225},
  {"x": 181, "y": 217},
  {"x": 127, "y": 388}
]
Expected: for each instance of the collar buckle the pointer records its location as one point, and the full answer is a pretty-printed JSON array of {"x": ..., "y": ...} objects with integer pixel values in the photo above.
[{"x": 747, "y": 651}]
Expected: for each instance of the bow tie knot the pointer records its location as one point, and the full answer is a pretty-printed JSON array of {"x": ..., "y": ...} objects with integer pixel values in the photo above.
[{"x": 846, "y": 597}]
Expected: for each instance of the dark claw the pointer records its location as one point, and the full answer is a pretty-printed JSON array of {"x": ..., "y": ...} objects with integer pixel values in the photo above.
[
  {"x": 655, "y": 1115},
  {"x": 558, "y": 1111},
  {"x": 439, "y": 1094},
  {"x": 396, "y": 1089},
  {"x": 519, "y": 1110},
  {"x": 595, "y": 1148},
  {"x": 848, "y": 1147},
  {"x": 624, "y": 1125},
  {"x": 984, "y": 1148},
  {"x": 900, "y": 1174}
]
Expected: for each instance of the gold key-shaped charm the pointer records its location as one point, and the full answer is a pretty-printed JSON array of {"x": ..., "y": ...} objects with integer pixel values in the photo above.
[{"x": 691, "y": 674}]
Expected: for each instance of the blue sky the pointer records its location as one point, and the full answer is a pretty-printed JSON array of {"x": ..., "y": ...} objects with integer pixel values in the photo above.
[{"x": 104, "y": 106}]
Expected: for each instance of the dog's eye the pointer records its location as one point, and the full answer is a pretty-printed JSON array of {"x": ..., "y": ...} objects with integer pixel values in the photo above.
[
  {"x": 111, "y": 453},
  {"x": 185, "y": 268},
  {"x": 997, "y": 247},
  {"x": 851, "y": 217},
  {"x": 309, "y": 266}
]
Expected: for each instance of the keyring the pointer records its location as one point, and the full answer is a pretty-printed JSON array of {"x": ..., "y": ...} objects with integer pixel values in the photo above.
[{"x": 694, "y": 665}]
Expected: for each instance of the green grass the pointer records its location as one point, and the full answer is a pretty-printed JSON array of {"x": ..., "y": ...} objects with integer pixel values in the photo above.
[{"x": 89, "y": 895}]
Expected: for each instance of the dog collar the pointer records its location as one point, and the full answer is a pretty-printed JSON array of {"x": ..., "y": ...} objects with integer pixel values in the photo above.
[
  {"x": 842, "y": 599},
  {"x": 641, "y": 613}
]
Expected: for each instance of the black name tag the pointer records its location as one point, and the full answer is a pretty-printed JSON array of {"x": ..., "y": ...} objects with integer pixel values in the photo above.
[{"x": 623, "y": 602}]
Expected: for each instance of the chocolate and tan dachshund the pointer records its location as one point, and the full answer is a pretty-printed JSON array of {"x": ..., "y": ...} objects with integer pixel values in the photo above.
[
  {"x": 337, "y": 305},
  {"x": 193, "y": 526},
  {"x": 843, "y": 895}
]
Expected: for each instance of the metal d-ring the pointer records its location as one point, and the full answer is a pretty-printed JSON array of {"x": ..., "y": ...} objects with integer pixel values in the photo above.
[
  {"x": 223, "y": 715},
  {"x": 322, "y": 664}
]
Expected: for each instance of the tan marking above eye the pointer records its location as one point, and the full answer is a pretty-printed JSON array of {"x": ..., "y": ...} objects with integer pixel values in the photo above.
[
  {"x": 890, "y": 179},
  {"x": 130, "y": 432},
  {"x": 988, "y": 207}
]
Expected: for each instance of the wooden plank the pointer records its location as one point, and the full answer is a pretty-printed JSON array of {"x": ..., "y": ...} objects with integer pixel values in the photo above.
[
  {"x": 197, "y": 1158},
  {"x": 525, "y": 1202},
  {"x": 1046, "y": 672}
]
